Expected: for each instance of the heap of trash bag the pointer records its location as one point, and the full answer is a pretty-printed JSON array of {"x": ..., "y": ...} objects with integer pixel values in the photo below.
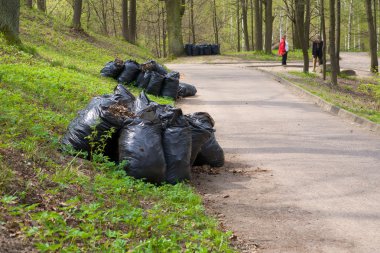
[
  {"x": 202, "y": 49},
  {"x": 158, "y": 142},
  {"x": 149, "y": 76}
]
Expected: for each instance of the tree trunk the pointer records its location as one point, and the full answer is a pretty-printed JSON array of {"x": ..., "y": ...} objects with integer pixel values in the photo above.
[
  {"x": 300, "y": 22},
  {"x": 124, "y": 23},
  {"x": 372, "y": 37},
  {"x": 252, "y": 29},
  {"x": 238, "y": 24},
  {"x": 29, "y": 3},
  {"x": 258, "y": 25},
  {"x": 174, "y": 27},
  {"x": 323, "y": 25},
  {"x": 307, "y": 21},
  {"x": 9, "y": 19},
  {"x": 132, "y": 21},
  {"x": 244, "y": 12},
  {"x": 165, "y": 53},
  {"x": 77, "y": 8},
  {"x": 350, "y": 15},
  {"x": 337, "y": 36},
  {"x": 268, "y": 26},
  {"x": 333, "y": 60},
  {"x": 41, "y": 5},
  {"x": 215, "y": 23},
  {"x": 192, "y": 20}
]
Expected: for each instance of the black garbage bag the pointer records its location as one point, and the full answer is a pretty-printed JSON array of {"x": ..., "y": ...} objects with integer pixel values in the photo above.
[
  {"x": 143, "y": 79},
  {"x": 202, "y": 118},
  {"x": 188, "y": 49},
  {"x": 186, "y": 90},
  {"x": 176, "y": 142},
  {"x": 169, "y": 87},
  {"x": 140, "y": 144},
  {"x": 155, "y": 83},
  {"x": 130, "y": 72},
  {"x": 112, "y": 68},
  {"x": 142, "y": 102},
  {"x": 200, "y": 134},
  {"x": 207, "y": 49},
  {"x": 174, "y": 74},
  {"x": 124, "y": 97},
  {"x": 211, "y": 154},
  {"x": 101, "y": 115},
  {"x": 153, "y": 66}
]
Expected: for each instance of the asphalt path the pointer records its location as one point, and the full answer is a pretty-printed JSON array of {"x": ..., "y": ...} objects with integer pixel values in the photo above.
[{"x": 296, "y": 179}]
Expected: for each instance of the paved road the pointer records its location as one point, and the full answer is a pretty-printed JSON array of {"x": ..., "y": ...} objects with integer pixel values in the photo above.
[{"x": 297, "y": 179}]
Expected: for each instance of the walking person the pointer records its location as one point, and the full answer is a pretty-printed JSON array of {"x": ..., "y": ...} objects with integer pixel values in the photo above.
[
  {"x": 317, "y": 51},
  {"x": 283, "y": 49}
]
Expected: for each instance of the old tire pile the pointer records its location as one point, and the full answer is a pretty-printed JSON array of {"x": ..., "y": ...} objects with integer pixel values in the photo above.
[
  {"x": 149, "y": 76},
  {"x": 158, "y": 142},
  {"x": 202, "y": 49}
]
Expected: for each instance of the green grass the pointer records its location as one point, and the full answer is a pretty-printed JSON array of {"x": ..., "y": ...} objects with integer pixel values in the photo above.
[
  {"x": 62, "y": 203},
  {"x": 363, "y": 100}
]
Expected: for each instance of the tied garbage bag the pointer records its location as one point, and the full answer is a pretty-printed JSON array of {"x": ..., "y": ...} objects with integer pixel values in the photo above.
[
  {"x": 176, "y": 142},
  {"x": 169, "y": 87},
  {"x": 188, "y": 49},
  {"x": 124, "y": 97},
  {"x": 130, "y": 72},
  {"x": 153, "y": 66},
  {"x": 101, "y": 115},
  {"x": 142, "y": 102},
  {"x": 140, "y": 144},
  {"x": 215, "y": 49},
  {"x": 174, "y": 74},
  {"x": 211, "y": 153},
  {"x": 112, "y": 68},
  {"x": 143, "y": 79},
  {"x": 186, "y": 90},
  {"x": 155, "y": 83},
  {"x": 200, "y": 134}
]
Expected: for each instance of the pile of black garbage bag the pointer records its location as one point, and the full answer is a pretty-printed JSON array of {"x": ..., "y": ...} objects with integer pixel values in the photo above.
[
  {"x": 150, "y": 76},
  {"x": 159, "y": 143},
  {"x": 202, "y": 49}
]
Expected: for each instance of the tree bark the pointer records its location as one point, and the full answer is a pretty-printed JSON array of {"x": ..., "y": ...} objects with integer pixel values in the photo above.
[
  {"x": 337, "y": 36},
  {"x": 372, "y": 37},
  {"x": 124, "y": 22},
  {"x": 29, "y": 3},
  {"x": 192, "y": 21},
  {"x": 174, "y": 27},
  {"x": 9, "y": 19},
  {"x": 215, "y": 23},
  {"x": 238, "y": 24},
  {"x": 268, "y": 26},
  {"x": 244, "y": 12},
  {"x": 323, "y": 25},
  {"x": 77, "y": 8},
  {"x": 334, "y": 67},
  {"x": 303, "y": 39},
  {"x": 132, "y": 21},
  {"x": 252, "y": 27},
  {"x": 41, "y": 5},
  {"x": 258, "y": 25},
  {"x": 350, "y": 15}
]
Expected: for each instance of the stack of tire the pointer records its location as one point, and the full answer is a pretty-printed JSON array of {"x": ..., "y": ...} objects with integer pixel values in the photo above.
[
  {"x": 202, "y": 49},
  {"x": 158, "y": 142}
]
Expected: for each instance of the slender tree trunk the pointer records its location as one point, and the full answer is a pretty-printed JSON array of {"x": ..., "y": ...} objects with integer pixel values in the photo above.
[
  {"x": 350, "y": 14},
  {"x": 323, "y": 26},
  {"x": 375, "y": 22},
  {"x": 41, "y": 5},
  {"x": 77, "y": 8},
  {"x": 29, "y": 3},
  {"x": 215, "y": 23},
  {"x": 252, "y": 29},
  {"x": 258, "y": 25},
  {"x": 334, "y": 67},
  {"x": 372, "y": 37},
  {"x": 124, "y": 23},
  {"x": 192, "y": 20},
  {"x": 88, "y": 15},
  {"x": 9, "y": 19},
  {"x": 337, "y": 36},
  {"x": 164, "y": 49},
  {"x": 174, "y": 26},
  {"x": 132, "y": 21},
  {"x": 238, "y": 20},
  {"x": 307, "y": 21},
  {"x": 268, "y": 26},
  {"x": 300, "y": 22},
  {"x": 244, "y": 10}
]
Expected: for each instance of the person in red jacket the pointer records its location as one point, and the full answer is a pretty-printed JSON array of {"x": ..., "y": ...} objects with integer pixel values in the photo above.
[{"x": 283, "y": 49}]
